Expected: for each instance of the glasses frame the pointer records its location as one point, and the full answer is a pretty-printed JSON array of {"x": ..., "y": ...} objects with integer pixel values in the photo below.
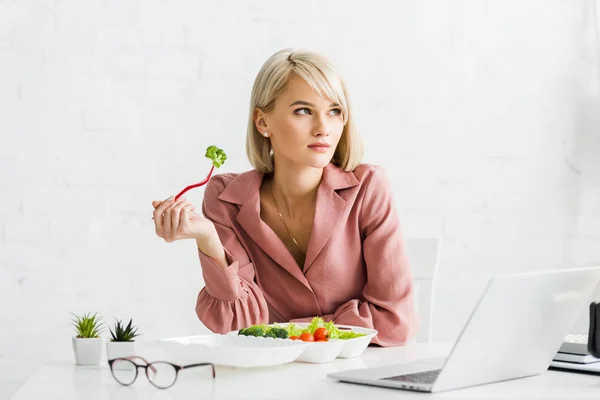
[{"x": 148, "y": 365}]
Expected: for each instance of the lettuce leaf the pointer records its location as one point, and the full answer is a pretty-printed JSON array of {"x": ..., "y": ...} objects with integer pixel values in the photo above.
[
  {"x": 315, "y": 324},
  {"x": 293, "y": 330},
  {"x": 334, "y": 333},
  {"x": 349, "y": 335}
]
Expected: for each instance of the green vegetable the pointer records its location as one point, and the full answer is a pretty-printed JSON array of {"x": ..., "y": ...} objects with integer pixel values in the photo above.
[
  {"x": 292, "y": 329},
  {"x": 344, "y": 335},
  {"x": 217, "y": 155},
  {"x": 254, "y": 330},
  {"x": 316, "y": 323},
  {"x": 277, "y": 333},
  {"x": 334, "y": 333}
]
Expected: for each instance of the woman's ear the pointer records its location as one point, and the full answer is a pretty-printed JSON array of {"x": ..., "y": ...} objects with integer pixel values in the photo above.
[{"x": 260, "y": 122}]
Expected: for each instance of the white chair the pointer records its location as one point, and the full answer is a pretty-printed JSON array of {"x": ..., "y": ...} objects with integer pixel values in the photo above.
[{"x": 423, "y": 257}]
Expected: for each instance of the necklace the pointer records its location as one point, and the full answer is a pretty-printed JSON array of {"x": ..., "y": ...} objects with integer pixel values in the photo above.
[{"x": 282, "y": 220}]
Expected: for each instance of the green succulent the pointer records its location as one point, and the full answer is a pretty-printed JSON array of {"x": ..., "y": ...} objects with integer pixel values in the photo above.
[
  {"x": 123, "y": 333},
  {"x": 88, "y": 326}
]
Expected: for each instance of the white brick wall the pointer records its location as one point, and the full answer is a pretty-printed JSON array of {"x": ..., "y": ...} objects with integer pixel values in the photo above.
[{"x": 484, "y": 113}]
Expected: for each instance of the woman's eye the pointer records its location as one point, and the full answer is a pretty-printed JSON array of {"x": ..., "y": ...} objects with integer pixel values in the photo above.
[
  {"x": 306, "y": 111},
  {"x": 302, "y": 111}
]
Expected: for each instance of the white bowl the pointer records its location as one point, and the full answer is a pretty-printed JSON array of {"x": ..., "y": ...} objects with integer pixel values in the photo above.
[
  {"x": 356, "y": 346},
  {"x": 350, "y": 347},
  {"x": 233, "y": 351},
  {"x": 322, "y": 352}
]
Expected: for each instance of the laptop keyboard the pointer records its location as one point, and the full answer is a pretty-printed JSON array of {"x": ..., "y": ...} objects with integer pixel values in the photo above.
[
  {"x": 578, "y": 339},
  {"x": 419, "y": 377}
]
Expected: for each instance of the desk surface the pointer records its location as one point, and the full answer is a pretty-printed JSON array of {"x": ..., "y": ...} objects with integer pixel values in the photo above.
[{"x": 64, "y": 380}]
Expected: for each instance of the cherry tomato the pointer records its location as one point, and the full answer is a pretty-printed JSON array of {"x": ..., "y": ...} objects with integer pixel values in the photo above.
[
  {"x": 307, "y": 337},
  {"x": 294, "y": 337},
  {"x": 321, "y": 334}
]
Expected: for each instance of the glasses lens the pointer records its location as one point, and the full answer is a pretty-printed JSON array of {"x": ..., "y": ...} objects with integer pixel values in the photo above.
[
  {"x": 124, "y": 371},
  {"x": 161, "y": 374}
]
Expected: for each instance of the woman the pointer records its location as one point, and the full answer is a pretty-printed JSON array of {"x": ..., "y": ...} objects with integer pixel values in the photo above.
[{"x": 310, "y": 231}]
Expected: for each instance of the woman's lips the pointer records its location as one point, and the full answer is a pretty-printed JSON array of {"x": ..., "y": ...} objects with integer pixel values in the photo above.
[{"x": 319, "y": 147}]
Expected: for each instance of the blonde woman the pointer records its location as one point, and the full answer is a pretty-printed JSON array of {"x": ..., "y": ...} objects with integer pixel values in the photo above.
[{"x": 310, "y": 231}]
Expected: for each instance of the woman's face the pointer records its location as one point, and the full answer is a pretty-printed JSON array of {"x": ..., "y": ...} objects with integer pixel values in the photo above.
[{"x": 304, "y": 128}]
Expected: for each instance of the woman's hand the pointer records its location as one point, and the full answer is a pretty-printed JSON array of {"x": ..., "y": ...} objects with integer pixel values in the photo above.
[{"x": 176, "y": 220}]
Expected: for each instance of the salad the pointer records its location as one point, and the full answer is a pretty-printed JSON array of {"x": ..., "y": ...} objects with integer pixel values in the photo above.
[{"x": 317, "y": 331}]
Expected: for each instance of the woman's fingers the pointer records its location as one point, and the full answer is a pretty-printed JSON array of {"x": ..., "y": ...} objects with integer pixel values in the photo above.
[
  {"x": 158, "y": 215},
  {"x": 167, "y": 223},
  {"x": 171, "y": 218},
  {"x": 175, "y": 215},
  {"x": 184, "y": 217},
  {"x": 159, "y": 209}
]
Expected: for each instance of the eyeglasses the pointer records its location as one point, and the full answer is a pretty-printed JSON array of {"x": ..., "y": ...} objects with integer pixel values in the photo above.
[{"x": 161, "y": 374}]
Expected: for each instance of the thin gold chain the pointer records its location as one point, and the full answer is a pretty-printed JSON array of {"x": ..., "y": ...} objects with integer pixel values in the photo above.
[{"x": 282, "y": 220}]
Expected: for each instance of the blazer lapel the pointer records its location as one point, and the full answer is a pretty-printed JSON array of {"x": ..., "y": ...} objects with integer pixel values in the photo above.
[
  {"x": 245, "y": 190},
  {"x": 328, "y": 210}
]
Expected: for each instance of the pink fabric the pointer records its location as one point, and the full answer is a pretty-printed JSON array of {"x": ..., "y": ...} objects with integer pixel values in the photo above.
[{"x": 356, "y": 271}]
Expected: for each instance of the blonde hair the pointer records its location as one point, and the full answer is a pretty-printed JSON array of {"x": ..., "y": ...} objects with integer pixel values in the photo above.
[{"x": 323, "y": 78}]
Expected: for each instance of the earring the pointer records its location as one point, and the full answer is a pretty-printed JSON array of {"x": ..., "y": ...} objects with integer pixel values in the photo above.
[{"x": 266, "y": 134}]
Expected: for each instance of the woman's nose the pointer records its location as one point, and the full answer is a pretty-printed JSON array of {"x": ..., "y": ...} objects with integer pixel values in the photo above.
[{"x": 321, "y": 127}]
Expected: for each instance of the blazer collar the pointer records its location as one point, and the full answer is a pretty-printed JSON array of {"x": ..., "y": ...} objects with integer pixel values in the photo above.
[{"x": 245, "y": 186}]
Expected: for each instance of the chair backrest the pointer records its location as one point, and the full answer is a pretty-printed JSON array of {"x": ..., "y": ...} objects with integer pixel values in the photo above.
[{"x": 423, "y": 257}]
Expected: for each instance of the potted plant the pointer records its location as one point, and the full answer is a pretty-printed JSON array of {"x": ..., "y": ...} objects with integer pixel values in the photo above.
[
  {"x": 122, "y": 342},
  {"x": 87, "y": 343}
]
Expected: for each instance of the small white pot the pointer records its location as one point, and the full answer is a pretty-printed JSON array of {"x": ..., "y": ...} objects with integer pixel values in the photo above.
[
  {"x": 87, "y": 351},
  {"x": 119, "y": 350}
]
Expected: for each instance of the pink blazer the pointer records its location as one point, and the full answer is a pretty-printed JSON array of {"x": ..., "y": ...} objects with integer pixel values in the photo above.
[{"x": 356, "y": 270}]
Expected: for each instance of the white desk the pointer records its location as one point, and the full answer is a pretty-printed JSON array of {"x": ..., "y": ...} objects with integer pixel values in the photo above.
[{"x": 64, "y": 380}]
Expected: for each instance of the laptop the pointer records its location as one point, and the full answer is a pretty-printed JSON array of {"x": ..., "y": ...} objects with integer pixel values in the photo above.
[{"x": 517, "y": 326}]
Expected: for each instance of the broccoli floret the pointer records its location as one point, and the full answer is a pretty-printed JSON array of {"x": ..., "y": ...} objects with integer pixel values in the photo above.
[
  {"x": 277, "y": 333},
  {"x": 216, "y": 154},
  {"x": 256, "y": 330}
]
